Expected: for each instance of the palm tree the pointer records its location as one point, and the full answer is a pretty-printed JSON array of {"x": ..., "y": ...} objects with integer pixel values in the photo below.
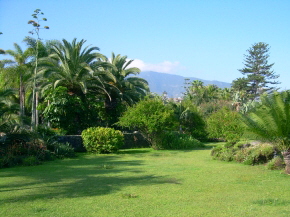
[
  {"x": 270, "y": 121},
  {"x": 20, "y": 65},
  {"x": 126, "y": 87},
  {"x": 73, "y": 66}
]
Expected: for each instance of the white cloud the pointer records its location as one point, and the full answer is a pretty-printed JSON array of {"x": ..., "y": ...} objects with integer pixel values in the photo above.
[{"x": 165, "y": 66}]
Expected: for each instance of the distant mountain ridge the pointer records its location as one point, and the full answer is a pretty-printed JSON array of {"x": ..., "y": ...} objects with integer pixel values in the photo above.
[{"x": 173, "y": 84}]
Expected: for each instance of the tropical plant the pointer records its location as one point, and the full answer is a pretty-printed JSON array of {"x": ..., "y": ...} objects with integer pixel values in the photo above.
[
  {"x": 126, "y": 87},
  {"x": 73, "y": 67},
  {"x": 8, "y": 110},
  {"x": 21, "y": 67},
  {"x": 270, "y": 121}
]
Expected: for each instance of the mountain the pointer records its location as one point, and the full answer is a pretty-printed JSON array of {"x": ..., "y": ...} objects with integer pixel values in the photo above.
[{"x": 173, "y": 84}]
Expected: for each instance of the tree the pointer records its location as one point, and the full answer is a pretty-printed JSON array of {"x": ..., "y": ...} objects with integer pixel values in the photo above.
[
  {"x": 270, "y": 121},
  {"x": 125, "y": 88},
  {"x": 73, "y": 66},
  {"x": 20, "y": 66},
  {"x": 259, "y": 73}
]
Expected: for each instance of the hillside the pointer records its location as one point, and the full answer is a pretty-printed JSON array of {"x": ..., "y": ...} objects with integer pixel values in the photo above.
[{"x": 172, "y": 84}]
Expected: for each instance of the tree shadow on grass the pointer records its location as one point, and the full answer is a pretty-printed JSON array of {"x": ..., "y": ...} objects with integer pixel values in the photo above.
[{"x": 82, "y": 177}]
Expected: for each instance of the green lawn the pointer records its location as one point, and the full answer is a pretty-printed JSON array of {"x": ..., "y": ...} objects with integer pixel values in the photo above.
[{"x": 144, "y": 182}]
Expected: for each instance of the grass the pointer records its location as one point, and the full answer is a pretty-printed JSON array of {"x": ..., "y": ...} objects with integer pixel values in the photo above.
[{"x": 144, "y": 182}]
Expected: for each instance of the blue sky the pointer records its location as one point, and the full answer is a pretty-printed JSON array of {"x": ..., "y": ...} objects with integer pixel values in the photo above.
[{"x": 206, "y": 39}]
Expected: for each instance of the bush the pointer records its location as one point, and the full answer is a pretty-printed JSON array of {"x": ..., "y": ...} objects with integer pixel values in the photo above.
[
  {"x": 102, "y": 140},
  {"x": 150, "y": 117},
  {"x": 223, "y": 152},
  {"x": 251, "y": 155},
  {"x": 174, "y": 140},
  {"x": 30, "y": 148},
  {"x": 226, "y": 125},
  {"x": 190, "y": 119},
  {"x": 277, "y": 163},
  {"x": 255, "y": 154}
]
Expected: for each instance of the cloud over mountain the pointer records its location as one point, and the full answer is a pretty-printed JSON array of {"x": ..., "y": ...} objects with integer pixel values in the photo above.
[{"x": 164, "y": 67}]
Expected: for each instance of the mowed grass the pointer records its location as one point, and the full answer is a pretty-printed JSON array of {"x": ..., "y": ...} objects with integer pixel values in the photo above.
[{"x": 144, "y": 182}]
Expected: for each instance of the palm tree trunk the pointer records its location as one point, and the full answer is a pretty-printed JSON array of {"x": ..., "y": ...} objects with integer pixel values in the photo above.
[
  {"x": 22, "y": 97},
  {"x": 36, "y": 110}
]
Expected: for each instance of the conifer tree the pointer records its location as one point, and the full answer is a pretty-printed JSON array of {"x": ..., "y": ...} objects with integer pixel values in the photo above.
[{"x": 258, "y": 72}]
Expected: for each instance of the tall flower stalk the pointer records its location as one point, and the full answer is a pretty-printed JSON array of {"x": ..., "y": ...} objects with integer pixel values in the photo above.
[{"x": 36, "y": 30}]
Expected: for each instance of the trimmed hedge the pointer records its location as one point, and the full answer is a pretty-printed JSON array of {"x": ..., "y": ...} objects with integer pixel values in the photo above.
[{"x": 102, "y": 140}]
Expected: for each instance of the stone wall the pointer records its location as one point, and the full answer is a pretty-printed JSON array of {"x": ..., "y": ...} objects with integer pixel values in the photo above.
[{"x": 131, "y": 140}]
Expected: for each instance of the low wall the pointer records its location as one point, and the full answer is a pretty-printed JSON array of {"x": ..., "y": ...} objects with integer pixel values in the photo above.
[
  {"x": 135, "y": 140},
  {"x": 131, "y": 140},
  {"x": 75, "y": 141}
]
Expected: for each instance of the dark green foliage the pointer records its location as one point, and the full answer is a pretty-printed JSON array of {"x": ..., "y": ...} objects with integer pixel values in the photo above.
[
  {"x": 174, "y": 140},
  {"x": 18, "y": 147},
  {"x": 70, "y": 112},
  {"x": 225, "y": 124},
  {"x": 61, "y": 150},
  {"x": 30, "y": 161},
  {"x": 102, "y": 140},
  {"x": 151, "y": 117},
  {"x": 31, "y": 148}
]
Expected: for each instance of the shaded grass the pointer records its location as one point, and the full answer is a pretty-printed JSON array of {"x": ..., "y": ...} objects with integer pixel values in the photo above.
[{"x": 144, "y": 182}]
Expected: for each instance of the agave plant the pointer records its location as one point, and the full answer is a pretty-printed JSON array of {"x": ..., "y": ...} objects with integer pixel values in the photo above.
[{"x": 270, "y": 121}]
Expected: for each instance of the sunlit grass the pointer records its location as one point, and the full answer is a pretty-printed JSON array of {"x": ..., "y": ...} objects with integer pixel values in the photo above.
[{"x": 144, "y": 182}]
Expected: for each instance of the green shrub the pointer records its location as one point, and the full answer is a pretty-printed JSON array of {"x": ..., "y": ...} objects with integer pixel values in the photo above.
[
  {"x": 222, "y": 152},
  {"x": 102, "y": 140},
  {"x": 226, "y": 125},
  {"x": 255, "y": 154},
  {"x": 151, "y": 118},
  {"x": 251, "y": 155},
  {"x": 276, "y": 163},
  {"x": 174, "y": 140}
]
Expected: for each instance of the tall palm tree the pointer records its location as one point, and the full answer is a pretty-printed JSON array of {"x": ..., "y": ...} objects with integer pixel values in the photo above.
[
  {"x": 20, "y": 65},
  {"x": 73, "y": 66},
  {"x": 270, "y": 121},
  {"x": 126, "y": 87}
]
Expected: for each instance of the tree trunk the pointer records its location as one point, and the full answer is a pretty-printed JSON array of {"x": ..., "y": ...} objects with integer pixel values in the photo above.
[
  {"x": 286, "y": 155},
  {"x": 36, "y": 110},
  {"x": 21, "y": 97}
]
